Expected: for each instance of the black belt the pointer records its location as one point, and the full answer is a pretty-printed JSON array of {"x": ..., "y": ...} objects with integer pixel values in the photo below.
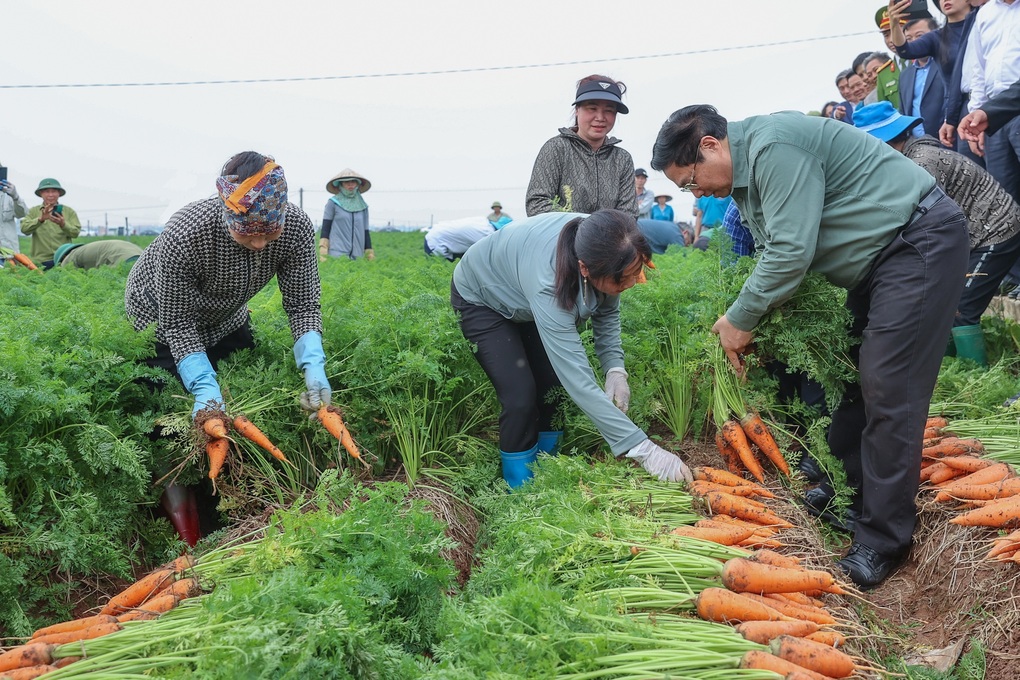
[{"x": 930, "y": 200}]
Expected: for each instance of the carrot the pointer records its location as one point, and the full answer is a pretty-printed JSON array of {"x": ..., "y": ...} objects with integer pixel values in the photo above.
[
  {"x": 182, "y": 590},
  {"x": 742, "y": 575},
  {"x": 729, "y": 454},
  {"x": 66, "y": 661},
  {"x": 215, "y": 428},
  {"x": 830, "y": 638},
  {"x": 250, "y": 432},
  {"x": 1005, "y": 544},
  {"x": 814, "y": 656},
  {"x": 929, "y": 470},
  {"x": 936, "y": 421},
  {"x": 759, "y": 433},
  {"x": 24, "y": 260},
  {"x": 74, "y": 624},
  {"x": 998, "y": 514},
  {"x": 764, "y": 632},
  {"x": 160, "y": 604},
  {"x": 183, "y": 563},
  {"x": 137, "y": 592},
  {"x": 743, "y": 508},
  {"x": 89, "y": 633},
  {"x": 992, "y": 473},
  {"x": 758, "y": 529},
  {"x": 217, "y": 450},
  {"x": 953, "y": 446},
  {"x": 721, "y": 533},
  {"x": 711, "y": 474},
  {"x": 985, "y": 492},
  {"x": 800, "y": 598},
  {"x": 330, "y": 418},
  {"x": 27, "y": 673},
  {"x": 724, "y": 606},
  {"x": 137, "y": 615},
  {"x": 967, "y": 463},
  {"x": 32, "y": 654},
  {"x": 768, "y": 662},
  {"x": 736, "y": 438},
  {"x": 795, "y": 611},
  {"x": 775, "y": 559},
  {"x": 946, "y": 474},
  {"x": 701, "y": 487},
  {"x": 756, "y": 541}
]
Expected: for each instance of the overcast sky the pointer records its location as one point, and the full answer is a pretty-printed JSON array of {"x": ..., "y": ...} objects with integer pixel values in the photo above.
[{"x": 435, "y": 145}]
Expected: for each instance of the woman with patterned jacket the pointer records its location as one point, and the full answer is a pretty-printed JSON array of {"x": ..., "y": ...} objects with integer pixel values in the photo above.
[
  {"x": 582, "y": 169},
  {"x": 195, "y": 279}
]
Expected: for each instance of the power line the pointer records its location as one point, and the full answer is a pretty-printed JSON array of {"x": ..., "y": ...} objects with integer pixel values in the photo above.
[{"x": 403, "y": 74}]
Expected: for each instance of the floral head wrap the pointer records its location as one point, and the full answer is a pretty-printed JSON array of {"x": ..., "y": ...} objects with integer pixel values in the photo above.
[{"x": 258, "y": 205}]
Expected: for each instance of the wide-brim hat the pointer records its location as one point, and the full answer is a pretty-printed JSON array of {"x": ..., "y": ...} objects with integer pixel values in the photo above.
[
  {"x": 333, "y": 185},
  {"x": 601, "y": 90},
  {"x": 883, "y": 121},
  {"x": 62, "y": 250},
  {"x": 666, "y": 196},
  {"x": 49, "y": 183}
]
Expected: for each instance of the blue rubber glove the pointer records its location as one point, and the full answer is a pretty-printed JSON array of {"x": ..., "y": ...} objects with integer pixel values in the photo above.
[
  {"x": 311, "y": 359},
  {"x": 199, "y": 378}
]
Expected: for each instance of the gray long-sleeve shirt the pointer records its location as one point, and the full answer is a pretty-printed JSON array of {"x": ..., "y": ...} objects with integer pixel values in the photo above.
[{"x": 512, "y": 272}]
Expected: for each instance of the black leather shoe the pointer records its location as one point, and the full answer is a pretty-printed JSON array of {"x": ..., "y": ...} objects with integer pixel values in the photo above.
[
  {"x": 809, "y": 468},
  {"x": 867, "y": 567},
  {"x": 816, "y": 502}
]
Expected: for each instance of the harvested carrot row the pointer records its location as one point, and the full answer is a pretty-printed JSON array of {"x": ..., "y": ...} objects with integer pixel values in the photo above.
[
  {"x": 998, "y": 514},
  {"x": 711, "y": 474},
  {"x": 329, "y": 416},
  {"x": 735, "y": 437},
  {"x": 742, "y": 575},
  {"x": 764, "y": 632},
  {"x": 757, "y": 432},
  {"x": 74, "y": 625},
  {"x": 217, "y": 450},
  {"x": 743, "y": 508},
  {"x": 769, "y": 662},
  {"x": 215, "y": 428},
  {"x": 137, "y": 592},
  {"x": 33, "y": 654},
  {"x": 89, "y": 633},
  {"x": 28, "y": 673},
  {"x": 814, "y": 656},
  {"x": 724, "y": 606},
  {"x": 248, "y": 430}
]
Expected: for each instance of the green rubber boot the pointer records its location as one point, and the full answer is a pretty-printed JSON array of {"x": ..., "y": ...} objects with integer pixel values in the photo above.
[{"x": 970, "y": 344}]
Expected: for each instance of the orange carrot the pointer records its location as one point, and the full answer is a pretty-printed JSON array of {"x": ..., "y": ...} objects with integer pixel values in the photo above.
[
  {"x": 953, "y": 446},
  {"x": 758, "y": 529},
  {"x": 711, "y": 474},
  {"x": 137, "y": 615},
  {"x": 992, "y": 473},
  {"x": 775, "y": 559},
  {"x": 215, "y": 428},
  {"x": 137, "y": 592},
  {"x": 722, "y": 534},
  {"x": 946, "y": 474},
  {"x": 249, "y": 431},
  {"x": 702, "y": 486},
  {"x": 182, "y": 590},
  {"x": 768, "y": 662},
  {"x": 183, "y": 563},
  {"x": 1005, "y": 544},
  {"x": 764, "y": 632},
  {"x": 830, "y": 638},
  {"x": 936, "y": 421},
  {"x": 217, "y": 450},
  {"x": 984, "y": 492},
  {"x": 814, "y": 656},
  {"x": 26, "y": 655},
  {"x": 997, "y": 514},
  {"x": 929, "y": 470},
  {"x": 967, "y": 463},
  {"x": 794, "y": 611},
  {"x": 724, "y": 606},
  {"x": 729, "y": 454},
  {"x": 743, "y": 508},
  {"x": 800, "y": 598},
  {"x": 759, "y": 433},
  {"x": 24, "y": 260},
  {"x": 742, "y": 575},
  {"x": 330, "y": 418},
  {"x": 160, "y": 604},
  {"x": 756, "y": 541},
  {"x": 89, "y": 633},
  {"x": 74, "y": 624},
  {"x": 28, "y": 673},
  {"x": 736, "y": 438},
  {"x": 66, "y": 661}
]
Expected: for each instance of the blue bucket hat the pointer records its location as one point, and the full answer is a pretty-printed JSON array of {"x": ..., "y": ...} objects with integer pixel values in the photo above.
[{"x": 883, "y": 121}]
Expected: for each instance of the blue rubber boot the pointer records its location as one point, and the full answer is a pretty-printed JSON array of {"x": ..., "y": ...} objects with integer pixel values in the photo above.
[
  {"x": 549, "y": 442},
  {"x": 515, "y": 466}
]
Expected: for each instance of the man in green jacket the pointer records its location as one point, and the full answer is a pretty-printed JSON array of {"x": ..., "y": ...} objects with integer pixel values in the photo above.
[
  {"x": 108, "y": 252},
  {"x": 821, "y": 196},
  {"x": 50, "y": 224}
]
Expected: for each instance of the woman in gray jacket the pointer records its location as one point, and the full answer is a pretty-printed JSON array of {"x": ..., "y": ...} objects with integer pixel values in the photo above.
[
  {"x": 582, "y": 169},
  {"x": 522, "y": 292}
]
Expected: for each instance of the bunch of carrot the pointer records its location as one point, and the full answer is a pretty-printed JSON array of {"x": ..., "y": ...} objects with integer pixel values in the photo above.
[
  {"x": 216, "y": 426},
  {"x": 23, "y": 260},
  {"x": 738, "y": 517},
  {"x": 737, "y": 428},
  {"x": 153, "y": 594},
  {"x": 989, "y": 491}
]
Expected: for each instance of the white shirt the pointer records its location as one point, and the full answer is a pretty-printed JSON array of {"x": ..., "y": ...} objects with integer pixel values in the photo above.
[
  {"x": 995, "y": 39},
  {"x": 452, "y": 238}
]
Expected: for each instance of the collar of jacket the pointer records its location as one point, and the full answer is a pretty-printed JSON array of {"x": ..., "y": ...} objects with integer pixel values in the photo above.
[{"x": 571, "y": 134}]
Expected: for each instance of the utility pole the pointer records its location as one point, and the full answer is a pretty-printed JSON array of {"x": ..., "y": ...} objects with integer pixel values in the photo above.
[{"x": 301, "y": 198}]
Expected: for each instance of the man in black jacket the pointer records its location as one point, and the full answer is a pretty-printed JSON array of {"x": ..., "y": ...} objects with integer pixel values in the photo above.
[{"x": 994, "y": 114}]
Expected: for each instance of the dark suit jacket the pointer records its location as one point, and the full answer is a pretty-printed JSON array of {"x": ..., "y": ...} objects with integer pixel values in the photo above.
[
  {"x": 933, "y": 97},
  {"x": 1003, "y": 107},
  {"x": 955, "y": 101}
]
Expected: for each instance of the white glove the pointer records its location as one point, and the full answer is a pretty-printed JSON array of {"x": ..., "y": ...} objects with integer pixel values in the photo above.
[
  {"x": 660, "y": 463},
  {"x": 617, "y": 388}
]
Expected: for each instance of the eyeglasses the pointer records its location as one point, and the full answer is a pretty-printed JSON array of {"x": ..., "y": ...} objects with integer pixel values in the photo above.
[{"x": 692, "y": 185}]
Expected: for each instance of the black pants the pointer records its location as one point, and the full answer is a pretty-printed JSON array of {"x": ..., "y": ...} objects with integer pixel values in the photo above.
[
  {"x": 987, "y": 268},
  {"x": 903, "y": 312},
  {"x": 513, "y": 357},
  {"x": 239, "y": 339}
]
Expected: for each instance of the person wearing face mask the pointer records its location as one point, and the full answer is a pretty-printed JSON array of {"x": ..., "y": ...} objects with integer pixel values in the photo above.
[
  {"x": 583, "y": 169},
  {"x": 522, "y": 293},
  {"x": 345, "y": 220}
]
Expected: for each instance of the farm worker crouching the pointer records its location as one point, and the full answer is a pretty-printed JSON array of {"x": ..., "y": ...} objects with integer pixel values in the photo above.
[
  {"x": 50, "y": 224},
  {"x": 345, "y": 221},
  {"x": 993, "y": 217},
  {"x": 521, "y": 293},
  {"x": 195, "y": 279},
  {"x": 820, "y": 195},
  {"x": 104, "y": 253}
]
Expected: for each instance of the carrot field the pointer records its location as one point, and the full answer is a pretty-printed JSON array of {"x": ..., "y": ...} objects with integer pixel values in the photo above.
[{"x": 388, "y": 546}]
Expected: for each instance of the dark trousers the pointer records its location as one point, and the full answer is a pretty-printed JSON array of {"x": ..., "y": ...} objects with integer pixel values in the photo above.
[
  {"x": 1002, "y": 157},
  {"x": 988, "y": 267},
  {"x": 239, "y": 339},
  {"x": 902, "y": 311},
  {"x": 513, "y": 357}
]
